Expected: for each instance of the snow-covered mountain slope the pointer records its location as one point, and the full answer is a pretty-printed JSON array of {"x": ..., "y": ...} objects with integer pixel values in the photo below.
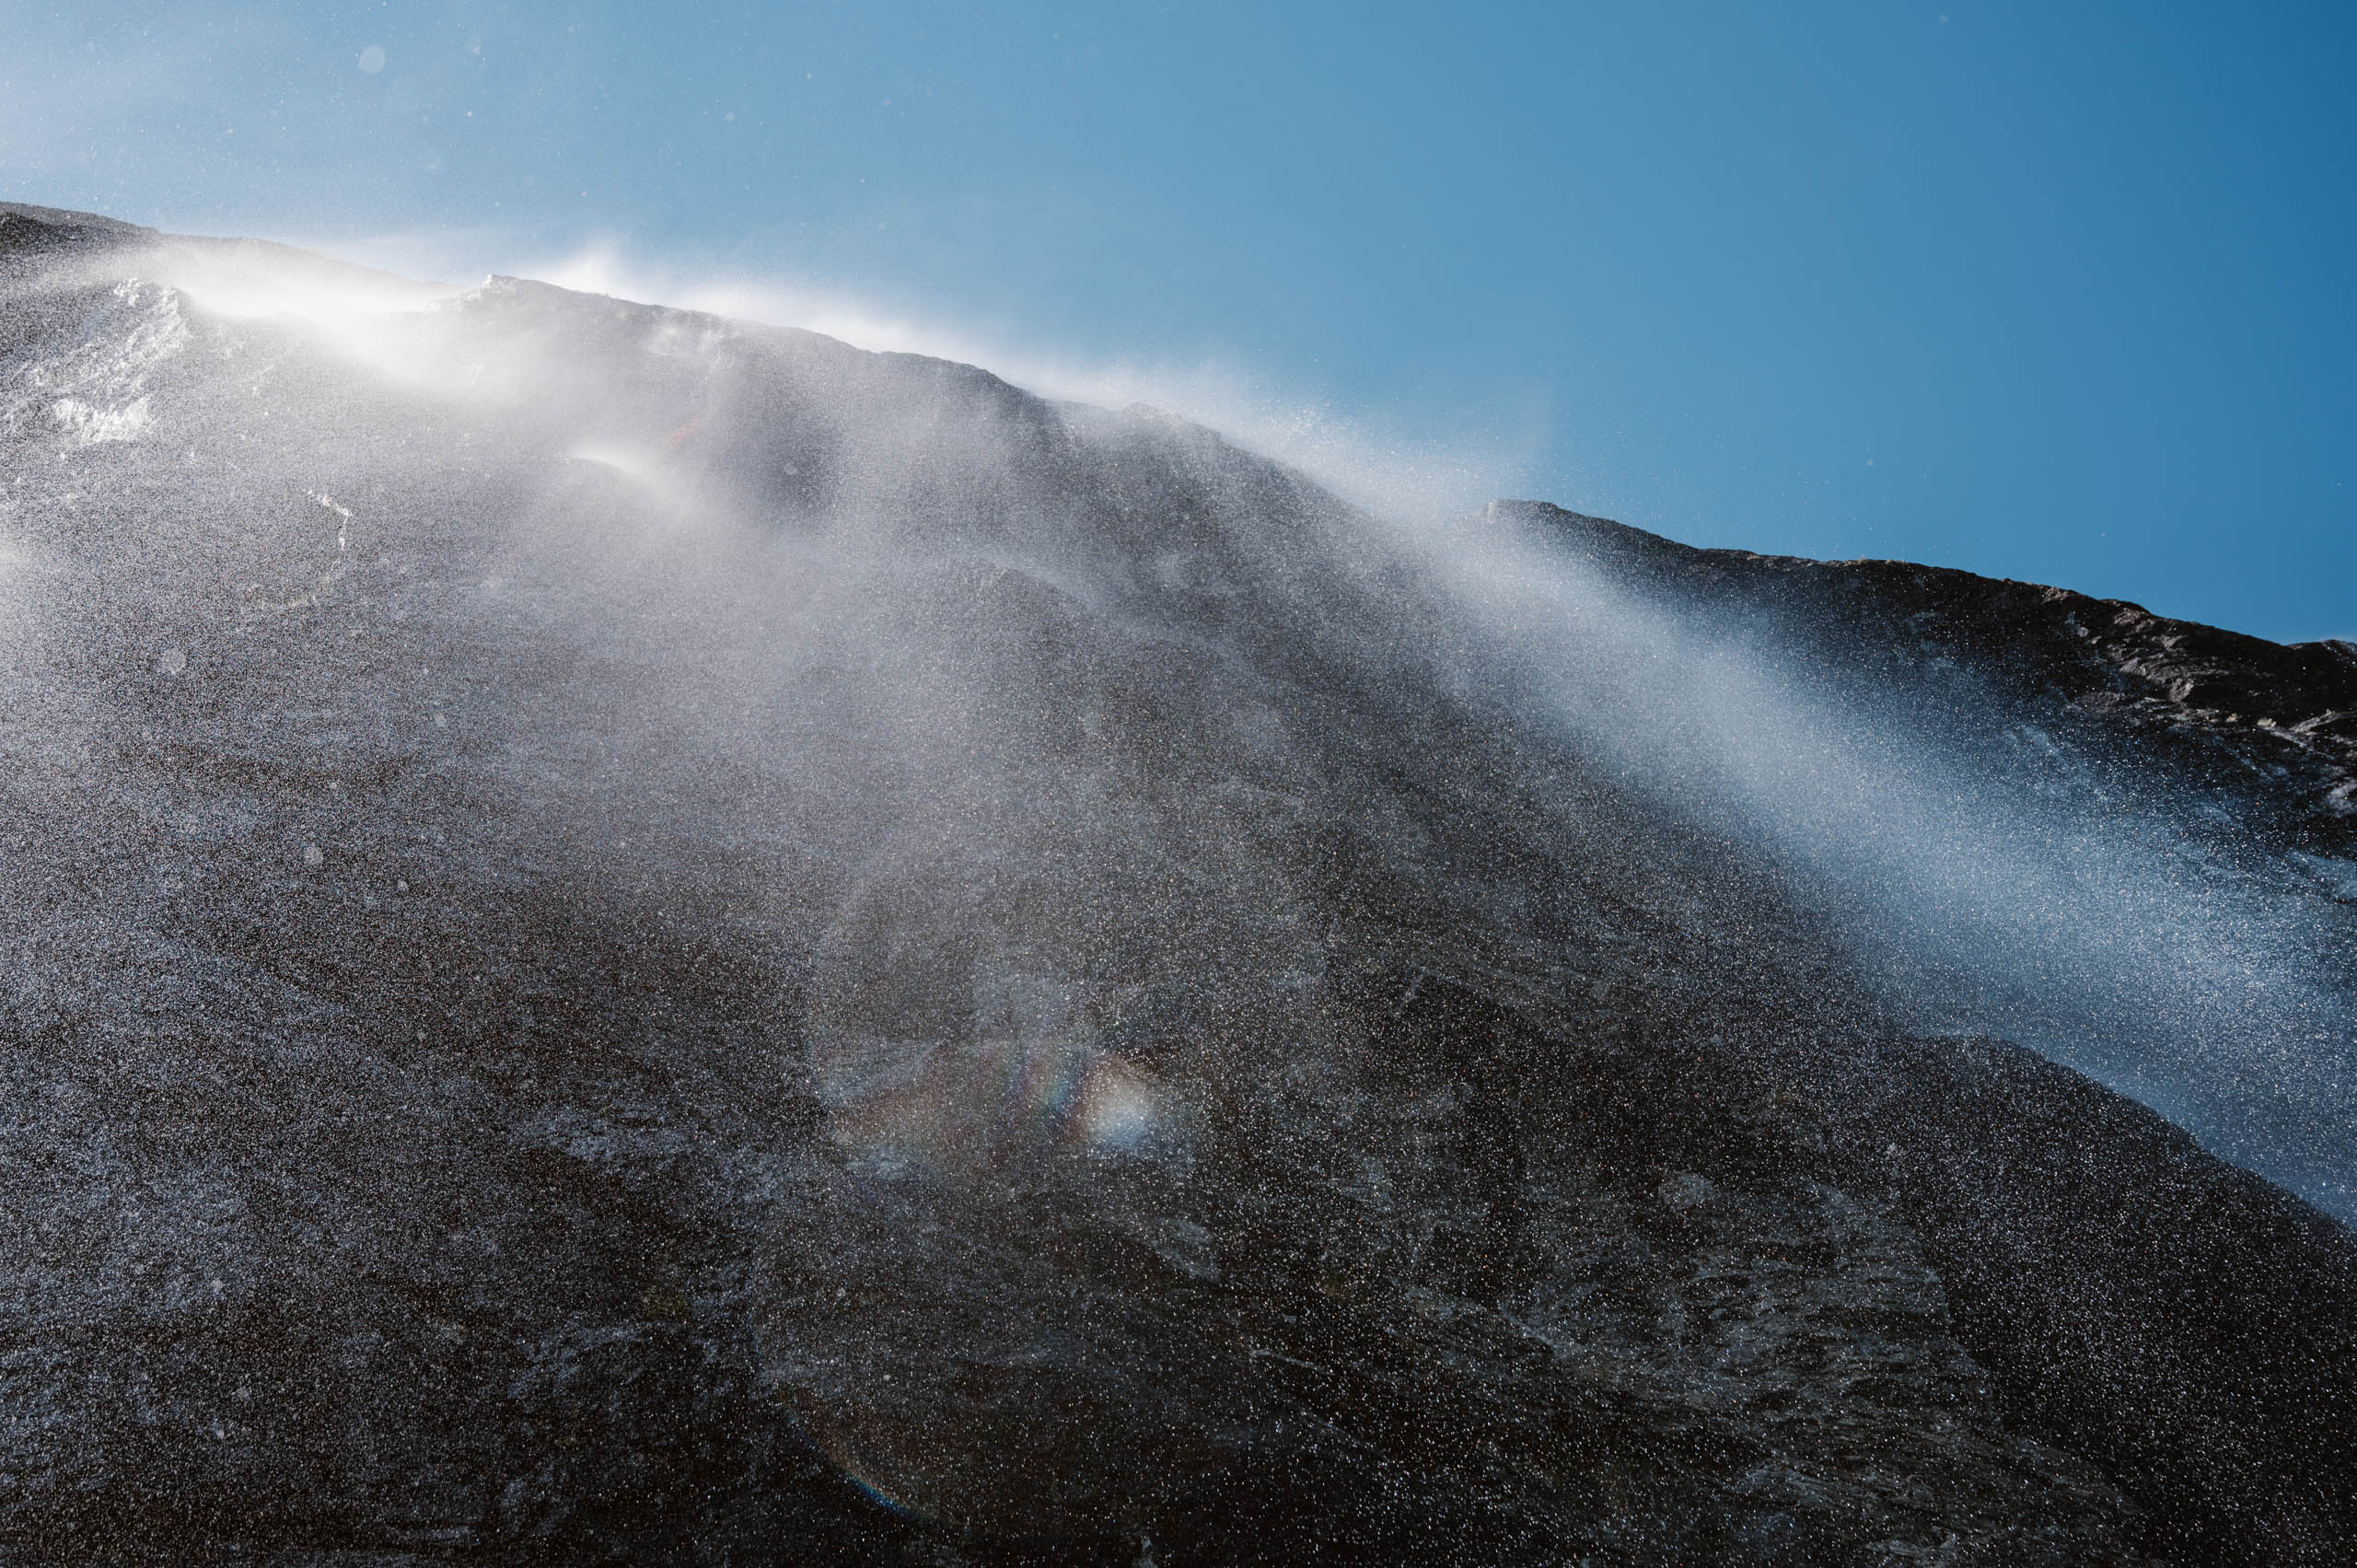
[{"x": 636, "y": 938}]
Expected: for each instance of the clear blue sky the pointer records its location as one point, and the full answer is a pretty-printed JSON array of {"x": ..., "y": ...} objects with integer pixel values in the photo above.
[{"x": 2058, "y": 292}]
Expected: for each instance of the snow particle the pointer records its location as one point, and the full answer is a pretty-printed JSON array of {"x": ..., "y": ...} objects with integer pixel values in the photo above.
[
  {"x": 312, "y": 858},
  {"x": 372, "y": 59},
  {"x": 172, "y": 661}
]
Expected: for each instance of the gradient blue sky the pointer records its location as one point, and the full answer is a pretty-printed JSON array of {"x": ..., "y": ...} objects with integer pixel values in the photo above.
[{"x": 2058, "y": 292}]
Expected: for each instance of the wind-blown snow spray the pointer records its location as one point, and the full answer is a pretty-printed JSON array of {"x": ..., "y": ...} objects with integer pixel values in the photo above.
[
  {"x": 2023, "y": 900},
  {"x": 1060, "y": 772}
]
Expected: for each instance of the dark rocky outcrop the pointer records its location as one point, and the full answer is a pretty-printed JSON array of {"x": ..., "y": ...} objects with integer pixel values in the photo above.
[
  {"x": 2278, "y": 721},
  {"x": 30, "y": 232},
  {"x": 631, "y": 939}
]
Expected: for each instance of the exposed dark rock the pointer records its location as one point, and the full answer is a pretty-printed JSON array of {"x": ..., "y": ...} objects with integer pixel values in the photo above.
[{"x": 2278, "y": 720}]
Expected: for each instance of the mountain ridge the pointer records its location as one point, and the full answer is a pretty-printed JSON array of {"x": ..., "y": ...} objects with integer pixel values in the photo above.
[{"x": 2102, "y": 655}]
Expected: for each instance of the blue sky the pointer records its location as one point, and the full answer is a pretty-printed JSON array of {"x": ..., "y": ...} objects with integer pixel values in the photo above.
[{"x": 2051, "y": 292}]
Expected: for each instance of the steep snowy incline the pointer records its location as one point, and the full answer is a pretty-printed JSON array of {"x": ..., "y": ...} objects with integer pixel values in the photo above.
[{"x": 630, "y": 937}]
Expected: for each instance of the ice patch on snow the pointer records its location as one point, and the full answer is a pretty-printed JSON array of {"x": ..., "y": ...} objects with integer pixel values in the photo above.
[
  {"x": 91, "y": 426},
  {"x": 98, "y": 392}
]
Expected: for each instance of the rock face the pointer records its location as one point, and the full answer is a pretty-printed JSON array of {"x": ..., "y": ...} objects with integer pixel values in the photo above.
[
  {"x": 2277, "y": 724},
  {"x": 635, "y": 939}
]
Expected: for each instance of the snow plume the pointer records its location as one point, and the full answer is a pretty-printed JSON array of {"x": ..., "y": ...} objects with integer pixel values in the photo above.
[
  {"x": 813, "y": 596},
  {"x": 1365, "y": 459},
  {"x": 836, "y": 558},
  {"x": 2021, "y": 898}
]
